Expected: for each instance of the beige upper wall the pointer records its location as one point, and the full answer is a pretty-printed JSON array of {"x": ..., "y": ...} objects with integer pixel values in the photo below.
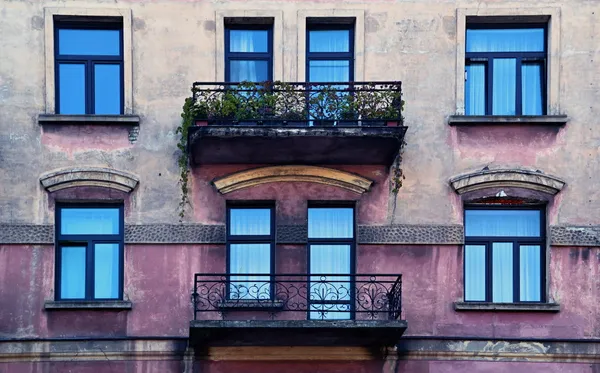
[{"x": 174, "y": 43}]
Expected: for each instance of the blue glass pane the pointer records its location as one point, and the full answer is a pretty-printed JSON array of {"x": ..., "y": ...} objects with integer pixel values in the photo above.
[
  {"x": 248, "y": 71},
  {"x": 250, "y": 222},
  {"x": 249, "y": 41},
  {"x": 475, "y": 89},
  {"x": 72, "y": 272},
  {"x": 327, "y": 261},
  {"x": 331, "y": 222},
  {"x": 530, "y": 263},
  {"x": 252, "y": 259},
  {"x": 502, "y": 223},
  {"x": 89, "y": 221},
  {"x": 505, "y": 86},
  {"x": 329, "y": 41},
  {"x": 89, "y": 42},
  {"x": 107, "y": 89},
  {"x": 106, "y": 271},
  {"x": 531, "y": 85},
  {"x": 502, "y": 272},
  {"x": 506, "y": 40},
  {"x": 71, "y": 86},
  {"x": 330, "y": 311},
  {"x": 474, "y": 273},
  {"x": 329, "y": 71}
]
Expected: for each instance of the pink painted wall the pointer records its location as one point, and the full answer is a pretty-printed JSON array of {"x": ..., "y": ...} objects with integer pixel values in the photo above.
[
  {"x": 291, "y": 197},
  {"x": 158, "y": 280}
]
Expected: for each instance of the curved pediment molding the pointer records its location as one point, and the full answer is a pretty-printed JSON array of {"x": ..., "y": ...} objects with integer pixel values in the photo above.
[
  {"x": 273, "y": 174},
  {"x": 507, "y": 178},
  {"x": 89, "y": 177}
]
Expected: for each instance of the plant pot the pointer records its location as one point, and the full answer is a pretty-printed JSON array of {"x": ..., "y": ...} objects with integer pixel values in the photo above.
[
  {"x": 201, "y": 123},
  {"x": 251, "y": 123},
  {"x": 324, "y": 123},
  {"x": 348, "y": 123},
  {"x": 374, "y": 123},
  {"x": 392, "y": 124}
]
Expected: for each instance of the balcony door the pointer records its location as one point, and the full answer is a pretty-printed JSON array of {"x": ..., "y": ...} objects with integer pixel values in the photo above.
[{"x": 331, "y": 247}]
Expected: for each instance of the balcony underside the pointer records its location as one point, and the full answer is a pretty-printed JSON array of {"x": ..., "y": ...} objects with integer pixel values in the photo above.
[
  {"x": 367, "y": 333},
  {"x": 285, "y": 145}
]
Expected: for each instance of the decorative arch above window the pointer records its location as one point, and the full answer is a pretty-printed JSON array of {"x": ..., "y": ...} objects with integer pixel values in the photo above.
[
  {"x": 272, "y": 174},
  {"x": 503, "y": 182},
  {"x": 89, "y": 177}
]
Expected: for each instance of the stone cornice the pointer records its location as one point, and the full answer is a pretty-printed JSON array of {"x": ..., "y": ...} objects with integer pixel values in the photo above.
[
  {"x": 89, "y": 177},
  {"x": 516, "y": 178}
]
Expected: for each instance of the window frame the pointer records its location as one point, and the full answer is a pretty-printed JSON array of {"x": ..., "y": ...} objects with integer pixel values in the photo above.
[
  {"x": 333, "y": 241},
  {"x": 517, "y": 242},
  {"x": 328, "y": 56},
  {"x": 250, "y": 239},
  {"x": 488, "y": 57},
  {"x": 89, "y": 240},
  {"x": 248, "y": 56},
  {"x": 89, "y": 61}
]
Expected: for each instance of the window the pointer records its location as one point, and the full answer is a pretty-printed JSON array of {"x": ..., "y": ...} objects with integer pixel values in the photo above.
[
  {"x": 331, "y": 261},
  {"x": 250, "y": 242},
  {"x": 505, "y": 69},
  {"x": 330, "y": 52},
  {"x": 248, "y": 53},
  {"x": 504, "y": 255},
  {"x": 89, "y": 255},
  {"x": 89, "y": 68}
]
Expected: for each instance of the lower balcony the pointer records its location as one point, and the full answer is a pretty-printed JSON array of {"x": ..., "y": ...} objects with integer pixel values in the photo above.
[{"x": 297, "y": 310}]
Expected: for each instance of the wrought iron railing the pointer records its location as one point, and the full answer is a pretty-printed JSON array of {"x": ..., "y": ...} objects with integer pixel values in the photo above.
[
  {"x": 298, "y": 296},
  {"x": 299, "y": 104}
]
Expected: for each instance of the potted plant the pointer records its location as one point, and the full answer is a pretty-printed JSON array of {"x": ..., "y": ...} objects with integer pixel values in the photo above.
[{"x": 347, "y": 113}]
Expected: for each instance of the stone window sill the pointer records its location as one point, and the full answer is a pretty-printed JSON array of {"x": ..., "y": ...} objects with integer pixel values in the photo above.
[
  {"x": 88, "y": 305},
  {"x": 133, "y": 120},
  {"x": 474, "y": 120},
  {"x": 507, "y": 307}
]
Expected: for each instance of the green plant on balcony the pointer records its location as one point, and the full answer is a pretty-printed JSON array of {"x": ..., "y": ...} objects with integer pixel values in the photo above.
[{"x": 376, "y": 105}]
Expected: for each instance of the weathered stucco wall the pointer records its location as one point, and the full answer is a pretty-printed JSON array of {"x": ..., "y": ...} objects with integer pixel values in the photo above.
[
  {"x": 159, "y": 281},
  {"x": 174, "y": 44}
]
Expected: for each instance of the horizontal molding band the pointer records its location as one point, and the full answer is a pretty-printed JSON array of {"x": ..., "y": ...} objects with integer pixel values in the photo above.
[
  {"x": 407, "y": 234},
  {"x": 566, "y": 235},
  {"x": 411, "y": 348}
]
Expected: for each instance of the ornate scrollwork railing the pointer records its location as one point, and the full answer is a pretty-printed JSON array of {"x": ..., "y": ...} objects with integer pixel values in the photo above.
[
  {"x": 299, "y": 104},
  {"x": 316, "y": 296}
]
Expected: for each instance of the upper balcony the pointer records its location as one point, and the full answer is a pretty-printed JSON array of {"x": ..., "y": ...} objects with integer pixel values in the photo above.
[
  {"x": 292, "y": 123},
  {"x": 297, "y": 309}
]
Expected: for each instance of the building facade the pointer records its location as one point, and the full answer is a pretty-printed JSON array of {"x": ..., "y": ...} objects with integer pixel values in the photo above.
[{"x": 415, "y": 189}]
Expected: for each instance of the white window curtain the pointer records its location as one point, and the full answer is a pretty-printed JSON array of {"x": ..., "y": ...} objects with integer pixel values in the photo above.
[
  {"x": 330, "y": 259},
  {"x": 89, "y": 221},
  {"x": 504, "y": 71},
  {"x": 475, "y": 89},
  {"x": 248, "y": 41},
  {"x": 502, "y": 223},
  {"x": 335, "y": 260},
  {"x": 530, "y": 263},
  {"x": 502, "y": 272},
  {"x": 247, "y": 260},
  {"x": 106, "y": 271},
  {"x": 475, "y": 273},
  {"x": 531, "y": 86},
  {"x": 72, "y": 272}
]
